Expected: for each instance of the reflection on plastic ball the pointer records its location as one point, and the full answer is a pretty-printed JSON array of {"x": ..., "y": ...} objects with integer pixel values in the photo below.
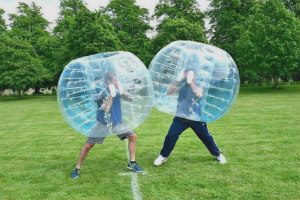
[
  {"x": 194, "y": 81},
  {"x": 104, "y": 94}
]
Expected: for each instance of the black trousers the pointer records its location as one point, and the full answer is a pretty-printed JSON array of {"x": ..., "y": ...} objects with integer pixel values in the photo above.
[{"x": 178, "y": 126}]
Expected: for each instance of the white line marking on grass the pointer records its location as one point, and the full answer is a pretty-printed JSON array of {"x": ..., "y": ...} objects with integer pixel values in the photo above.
[
  {"x": 125, "y": 174},
  {"x": 137, "y": 195},
  {"x": 135, "y": 187},
  {"x": 129, "y": 173}
]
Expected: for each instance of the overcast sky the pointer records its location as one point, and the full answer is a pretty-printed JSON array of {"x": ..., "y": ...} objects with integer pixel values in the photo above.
[{"x": 50, "y": 8}]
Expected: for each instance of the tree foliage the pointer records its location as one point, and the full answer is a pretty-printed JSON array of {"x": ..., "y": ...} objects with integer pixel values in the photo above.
[
  {"x": 68, "y": 10},
  {"x": 28, "y": 24},
  {"x": 177, "y": 9},
  {"x": 262, "y": 36},
  {"x": 294, "y": 6},
  {"x": 90, "y": 33},
  {"x": 2, "y": 21},
  {"x": 227, "y": 18},
  {"x": 178, "y": 29},
  {"x": 81, "y": 32},
  {"x": 179, "y": 20},
  {"x": 20, "y": 67},
  {"x": 131, "y": 24},
  {"x": 270, "y": 44}
]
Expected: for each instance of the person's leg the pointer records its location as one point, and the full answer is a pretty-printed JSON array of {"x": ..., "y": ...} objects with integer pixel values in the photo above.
[
  {"x": 132, "y": 138},
  {"x": 83, "y": 154},
  {"x": 91, "y": 141},
  {"x": 177, "y": 127},
  {"x": 132, "y": 146},
  {"x": 200, "y": 128}
]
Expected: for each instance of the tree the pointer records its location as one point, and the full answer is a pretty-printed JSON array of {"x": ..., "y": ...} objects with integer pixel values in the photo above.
[
  {"x": 68, "y": 10},
  {"x": 85, "y": 32},
  {"x": 178, "y": 9},
  {"x": 29, "y": 25},
  {"x": 131, "y": 24},
  {"x": 178, "y": 29},
  {"x": 2, "y": 26},
  {"x": 293, "y": 5},
  {"x": 20, "y": 68},
  {"x": 227, "y": 18},
  {"x": 48, "y": 47},
  {"x": 2, "y": 22},
  {"x": 179, "y": 20},
  {"x": 270, "y": 44},
  {"x": 81, "y": 32},
  {"x": 90, "y": 33}
]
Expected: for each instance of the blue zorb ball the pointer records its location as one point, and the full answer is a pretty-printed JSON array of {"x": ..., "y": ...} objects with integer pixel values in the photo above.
[
  {"x": 194, "y": 81},
  {"x": 105, "y": 94}
]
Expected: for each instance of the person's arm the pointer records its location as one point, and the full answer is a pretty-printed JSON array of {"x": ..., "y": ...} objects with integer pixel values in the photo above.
[
  {"x": 198, "y": 91},
  {"x": 173, "y": 88},
  {"x": 106, "y": 105},
  {"x": 125, "y": 95}
]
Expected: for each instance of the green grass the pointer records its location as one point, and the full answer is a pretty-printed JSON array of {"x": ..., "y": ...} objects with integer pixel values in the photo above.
[{"x": 260, "y": 137}]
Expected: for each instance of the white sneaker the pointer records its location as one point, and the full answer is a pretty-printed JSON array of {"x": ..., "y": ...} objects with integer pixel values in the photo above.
[
  {"x": 221, "y": 159},
  {"x": 160, "y": 160}
]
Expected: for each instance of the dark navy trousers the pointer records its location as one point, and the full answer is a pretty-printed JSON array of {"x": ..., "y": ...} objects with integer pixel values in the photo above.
[{"x": 178, "y": 126}]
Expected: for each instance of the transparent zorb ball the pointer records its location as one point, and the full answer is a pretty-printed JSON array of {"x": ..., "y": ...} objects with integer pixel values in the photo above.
[
  {"x": 105, "y": 94},
  {"x": 194, "y": 81}
]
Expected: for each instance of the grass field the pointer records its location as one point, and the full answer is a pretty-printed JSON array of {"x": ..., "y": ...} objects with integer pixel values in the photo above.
[{"x": 260, "y": 137}]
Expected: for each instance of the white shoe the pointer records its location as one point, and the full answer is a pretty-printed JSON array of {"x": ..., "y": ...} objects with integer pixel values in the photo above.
[
  {"x": 221, "y": 159},
  {"x": 160, "y": 160}
]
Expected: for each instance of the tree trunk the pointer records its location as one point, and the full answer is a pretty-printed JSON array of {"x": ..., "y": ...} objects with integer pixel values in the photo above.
[
  {"x": 276, "y": 82},
  {"x": 19, "y": 94},
  {"x": 37, "y": 90}
]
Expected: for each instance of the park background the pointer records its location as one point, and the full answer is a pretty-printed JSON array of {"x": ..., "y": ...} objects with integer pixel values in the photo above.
[
  {"x": 259, "y": 136},
  {"x": 263, "y": 37}
]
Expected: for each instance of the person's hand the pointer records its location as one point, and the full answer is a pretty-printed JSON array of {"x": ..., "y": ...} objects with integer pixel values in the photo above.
[
  {"x": 112, "y": 90},
  {"x": 190, "y": 77}
]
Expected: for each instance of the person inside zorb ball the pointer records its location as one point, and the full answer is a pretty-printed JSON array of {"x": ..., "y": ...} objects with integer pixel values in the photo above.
[
  {"x": 109, "y": 109},
  {"x": 197, "y": 83},
  {"x": 105, "y": 94},
  {"x": 194, "y": 81}
]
